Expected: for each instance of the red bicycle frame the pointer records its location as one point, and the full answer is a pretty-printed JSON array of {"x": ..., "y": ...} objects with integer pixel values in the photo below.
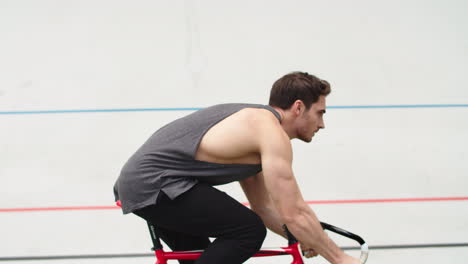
[{"x": 162, "y": 256}]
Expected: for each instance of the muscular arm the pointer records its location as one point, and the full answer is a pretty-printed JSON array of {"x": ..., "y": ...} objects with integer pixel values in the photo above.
[
  {"x": 280, "y": 183},
  {"x": 261, "y": 203}
]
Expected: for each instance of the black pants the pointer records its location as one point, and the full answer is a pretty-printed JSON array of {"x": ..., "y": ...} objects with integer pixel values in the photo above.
[{"x": 186, "y": 222}]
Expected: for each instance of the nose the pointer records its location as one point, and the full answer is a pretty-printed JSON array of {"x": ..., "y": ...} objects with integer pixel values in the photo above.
[{"x": 321, "y": 124}]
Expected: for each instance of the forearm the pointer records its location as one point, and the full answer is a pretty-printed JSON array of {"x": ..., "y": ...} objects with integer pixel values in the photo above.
[
  {"x": 299, "y": 217},
  {"x": 271, "y": 219},
  {"x": 307, "y": 229}
]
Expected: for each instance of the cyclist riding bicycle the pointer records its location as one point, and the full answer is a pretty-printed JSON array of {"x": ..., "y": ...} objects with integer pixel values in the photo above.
[{"x": 169, "y": 180}]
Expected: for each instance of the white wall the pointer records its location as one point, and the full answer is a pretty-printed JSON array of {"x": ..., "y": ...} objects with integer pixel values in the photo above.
[{"x": 81, "y": 55}]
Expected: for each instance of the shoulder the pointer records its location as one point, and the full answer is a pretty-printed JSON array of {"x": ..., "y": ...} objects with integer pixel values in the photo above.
[
  {"x": 260, "y": 120},
  {"x": 265, "y": 126},
  {"x": 260, "y": 116}
]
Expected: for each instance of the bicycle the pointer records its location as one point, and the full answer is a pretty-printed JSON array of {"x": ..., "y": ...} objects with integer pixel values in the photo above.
[{"x": 292, "y": 249}]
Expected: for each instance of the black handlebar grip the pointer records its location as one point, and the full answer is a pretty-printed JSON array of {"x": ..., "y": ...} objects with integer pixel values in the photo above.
[{"x": 291, "y": 239}]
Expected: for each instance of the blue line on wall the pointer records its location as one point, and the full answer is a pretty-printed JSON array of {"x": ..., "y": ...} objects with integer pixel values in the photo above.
[
  {"x": 97, "y": 110},
  {"x": 197, "y": 108},
  {"x": 398, "y": 106}
]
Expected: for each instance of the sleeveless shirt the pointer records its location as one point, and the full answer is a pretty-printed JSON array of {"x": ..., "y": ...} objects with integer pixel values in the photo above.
[{"x": 166, "y": 161}]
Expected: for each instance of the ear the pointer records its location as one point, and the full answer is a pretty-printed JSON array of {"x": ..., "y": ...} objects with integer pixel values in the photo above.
[{"x": 298, "y": 107}]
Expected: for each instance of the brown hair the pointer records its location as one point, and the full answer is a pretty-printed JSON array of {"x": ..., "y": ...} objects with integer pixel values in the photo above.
[{"x": 297, "y": 86}]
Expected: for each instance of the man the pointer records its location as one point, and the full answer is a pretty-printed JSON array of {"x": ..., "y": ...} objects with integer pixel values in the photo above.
[{"x": 169, "y": 180}]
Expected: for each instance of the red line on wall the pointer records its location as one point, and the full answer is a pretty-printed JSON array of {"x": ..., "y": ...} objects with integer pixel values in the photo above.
[
  {"x": 394, "y": 200},
  {"x": 356, "y": 201},
  {"x": 65, "y": 208}
]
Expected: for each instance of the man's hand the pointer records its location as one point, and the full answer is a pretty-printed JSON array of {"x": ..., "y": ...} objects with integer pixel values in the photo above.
[
  {"x": 349, "y": 260},
  {"x": 308, "y": 252}
]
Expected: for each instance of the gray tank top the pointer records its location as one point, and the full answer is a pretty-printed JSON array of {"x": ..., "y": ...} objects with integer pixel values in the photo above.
[{"x": 166, "y": 161}]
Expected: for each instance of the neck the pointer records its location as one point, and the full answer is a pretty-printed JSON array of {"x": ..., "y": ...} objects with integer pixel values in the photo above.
[{"x": 286, "y": 123}]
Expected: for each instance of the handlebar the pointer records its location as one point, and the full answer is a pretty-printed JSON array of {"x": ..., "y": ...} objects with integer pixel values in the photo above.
[{"x": 340, "y": 231}]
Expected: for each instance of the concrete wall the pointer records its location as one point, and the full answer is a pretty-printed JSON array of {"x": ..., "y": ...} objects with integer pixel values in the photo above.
[{"x": 60, "y": 58}]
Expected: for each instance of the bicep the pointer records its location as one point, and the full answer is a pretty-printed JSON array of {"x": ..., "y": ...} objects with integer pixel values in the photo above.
[
  {"x": 276, "y": 152},
  {"x": 280, "y": 183}
]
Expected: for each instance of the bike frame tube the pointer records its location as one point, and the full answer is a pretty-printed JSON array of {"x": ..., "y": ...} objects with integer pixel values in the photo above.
[{"x": 162, "y": 256}]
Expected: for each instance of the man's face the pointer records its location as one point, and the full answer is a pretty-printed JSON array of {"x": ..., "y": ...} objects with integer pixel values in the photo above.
[{"x": 311, "y": 120}]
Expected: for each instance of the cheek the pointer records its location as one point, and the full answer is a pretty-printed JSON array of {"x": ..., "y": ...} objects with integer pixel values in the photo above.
[
  {"x": 305, "y": 127},
  {"x": 313, "y": 122}
]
